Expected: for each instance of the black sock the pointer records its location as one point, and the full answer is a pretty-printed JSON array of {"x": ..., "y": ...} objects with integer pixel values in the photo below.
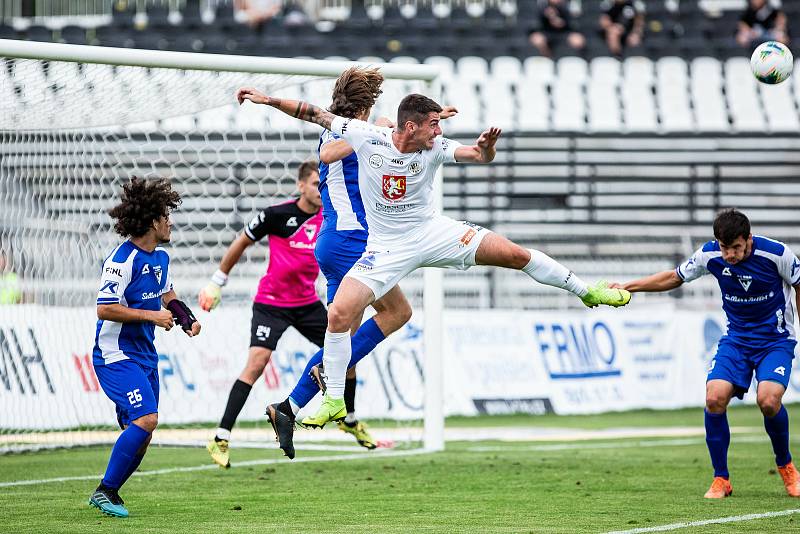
[
  {"x": 286, "y": 409},
  {"x": 350, "y": 395},
  {"x": 236, "y": 400}
]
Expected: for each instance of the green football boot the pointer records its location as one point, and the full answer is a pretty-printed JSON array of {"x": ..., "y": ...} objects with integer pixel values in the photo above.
[
  {"x": 600, "y": 293},
  {"x": 359, "y": 431},
  {"x": 219, "y": 452},
  {"x": 329, "y": 410}
]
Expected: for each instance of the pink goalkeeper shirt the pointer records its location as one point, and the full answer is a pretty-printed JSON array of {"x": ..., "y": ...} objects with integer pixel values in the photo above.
[{"x": 292, "y": 270}]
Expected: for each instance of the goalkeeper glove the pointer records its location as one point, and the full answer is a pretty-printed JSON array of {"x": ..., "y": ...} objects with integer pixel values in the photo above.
[
  {"x": 210, "y": 295},
  {"x": 182, "y": 314}
]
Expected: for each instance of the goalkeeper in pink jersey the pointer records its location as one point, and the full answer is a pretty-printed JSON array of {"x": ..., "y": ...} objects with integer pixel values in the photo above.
[{"x": 286, "y": 294}]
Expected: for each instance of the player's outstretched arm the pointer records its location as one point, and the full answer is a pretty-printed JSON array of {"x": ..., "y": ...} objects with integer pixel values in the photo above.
[
  {"x": 122, "y": 314},
  {"x": 483, "y": 151},
  {"x": 663, "y": 281},
  {"x": 296, "y": 108},
  {"x": 209, "y": 296},
  {"x": 181, "y": 313}
]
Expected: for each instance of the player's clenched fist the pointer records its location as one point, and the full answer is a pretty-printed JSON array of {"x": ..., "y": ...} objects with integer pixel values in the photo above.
[
  {"x": 162, "y": 318},
  {"x": 210, "y": 295}
]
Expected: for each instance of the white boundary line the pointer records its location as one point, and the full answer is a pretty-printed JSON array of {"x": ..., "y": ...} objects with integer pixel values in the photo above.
[
  {"x": 609, "y": 445},
  {"x": 206, "y": 467},
  {"x": 731, "y": 519}
]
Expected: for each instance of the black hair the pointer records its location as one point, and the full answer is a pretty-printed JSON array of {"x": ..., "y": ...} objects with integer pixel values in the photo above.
[
  {"x": 143, "y": 202},
  {"x": 731, "y": 224}
]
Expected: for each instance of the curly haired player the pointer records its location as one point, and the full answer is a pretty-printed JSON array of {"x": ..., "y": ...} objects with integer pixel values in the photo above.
[{"x": 135, "y": 287}]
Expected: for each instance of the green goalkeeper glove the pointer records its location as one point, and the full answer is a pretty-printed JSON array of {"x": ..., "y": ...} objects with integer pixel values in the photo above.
[{"x": 210, "y": 295}]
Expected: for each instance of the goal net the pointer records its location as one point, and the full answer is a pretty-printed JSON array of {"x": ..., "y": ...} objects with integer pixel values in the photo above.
[{"x": 78, "y": 122}]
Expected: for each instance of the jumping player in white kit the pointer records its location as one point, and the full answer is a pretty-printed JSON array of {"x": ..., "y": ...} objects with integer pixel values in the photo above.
[{"x": 396, "y": 174}]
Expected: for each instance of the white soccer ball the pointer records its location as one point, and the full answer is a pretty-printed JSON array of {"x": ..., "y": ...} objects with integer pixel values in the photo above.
[{"x": 772, "y": 62}]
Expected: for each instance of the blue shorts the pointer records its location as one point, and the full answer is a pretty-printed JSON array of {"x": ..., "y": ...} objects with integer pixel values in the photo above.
[
  {"x": 736, "y": 361},
  {"x": 133, "y": 388},
  {"x": 336, "y": 252}
]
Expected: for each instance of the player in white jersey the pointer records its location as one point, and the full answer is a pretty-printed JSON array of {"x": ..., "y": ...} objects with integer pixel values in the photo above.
[{"x": 396, "y": 174}]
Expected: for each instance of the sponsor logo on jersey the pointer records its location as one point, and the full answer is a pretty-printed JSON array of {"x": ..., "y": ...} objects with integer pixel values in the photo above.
[
  {"x": 394, "y": 208},
  {"x": 375, "y": 161},
  {"x": 110, "y": 288},
  {"x": 394, "y": 187},
  {"x": 748, "y": 300},
  {"x": 146, "y": 268},
  {"x": 795, "y": 266},
  {"x": 114, "y": 270},
  {"x": 292, "y": 221},
  {"x": 302, "y": 245},
  {"x": 345, "y": 125},
  {"x": 311, "y": 230},
  {"x": 157, "y": 272},
  {"x": 397, "y": 161},
  {"x": 415, "y": 168},
  {"x": 154, "y": 294},
  {"x": 379, "y": 142},
  {"x": 780, "y": 370}
]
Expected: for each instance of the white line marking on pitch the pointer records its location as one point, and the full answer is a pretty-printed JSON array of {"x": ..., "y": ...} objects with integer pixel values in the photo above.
[
  {"x": 732, "y": 519},
  {"x": 205, "y": 467},
  {"x": 614, "y": 445}
]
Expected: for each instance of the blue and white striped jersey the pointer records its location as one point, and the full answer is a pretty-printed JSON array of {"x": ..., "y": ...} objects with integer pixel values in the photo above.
[
  {"x": 136, "y": 279},
  {"x": 342, "y": 208},
  {"x": 756, "y": 292}
]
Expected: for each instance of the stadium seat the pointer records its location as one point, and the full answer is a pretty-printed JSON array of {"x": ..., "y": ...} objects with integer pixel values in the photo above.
[
  {"x": 539, "y": 70},
  {"x": 472, "y": 69},
  {"x": 572, "y": 70},
  {"x": 506, "y": 68},
  {"x": 73, "y": 35},
  {"x": 603, "y": 106},
  {"x": 446, "y": 65},
  {"x": 499, "y": 104},
  {"x": 38, "y": 33},
  {"x": 740, "y": 88},
  {"x": 779, "y": 107},
  {"x": 606, "y": 70},
  {"x": 706, "y": 83},
  {"x": 569, "y": 110},
  {"x": 672, "y": 95}
]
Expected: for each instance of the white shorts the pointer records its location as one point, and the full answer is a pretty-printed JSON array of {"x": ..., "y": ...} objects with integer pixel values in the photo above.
[{"x": 442, "y": 242}]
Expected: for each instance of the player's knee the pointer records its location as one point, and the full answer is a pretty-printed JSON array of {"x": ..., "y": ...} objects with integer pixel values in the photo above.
[
  {"x": 518, "y": 257},
  {"x": 402, "y": 314},
  {"x": 716, "y": 402},
  {"x": 770, "y": 405},
  {"x": 339, "y": 319},
  {"x": 147, "y": 422}
]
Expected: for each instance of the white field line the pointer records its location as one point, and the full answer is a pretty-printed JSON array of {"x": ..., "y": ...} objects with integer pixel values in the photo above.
[
  {"x": 688, "y": 524},
  {"x": 614, "y": 445},
  {"x": 205, "y": 467}
]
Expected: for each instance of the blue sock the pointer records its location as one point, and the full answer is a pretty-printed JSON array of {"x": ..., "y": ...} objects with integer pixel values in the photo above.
[
  {"x": 718, "y": 438},
  {"x": 123, "y": 454},
  {"x": 133, "y": 467},
  {"x": 363, "y": 342},
  {"x": 778, "y": 431}
]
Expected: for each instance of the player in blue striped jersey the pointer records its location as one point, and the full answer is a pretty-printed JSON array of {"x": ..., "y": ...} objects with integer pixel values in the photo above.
[
  {"x": 756, "y": 276},
  {"x": 135, "y": 296}
]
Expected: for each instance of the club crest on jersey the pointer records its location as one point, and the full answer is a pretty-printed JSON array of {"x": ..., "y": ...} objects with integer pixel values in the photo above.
[
  {"x": 310, "y": 230},
  {"x": 394, "y": 187},
  {"x": 415, "y": 168},
  {"x": 375, "y": 161},
  {"x": 157, "y": 272},
  {"x": 146, "y": 268},
  {"x": 745, "y": 280}
]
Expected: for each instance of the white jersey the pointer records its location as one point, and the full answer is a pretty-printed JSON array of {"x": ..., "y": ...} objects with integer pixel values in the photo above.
[{"x": 396, "y": 187}]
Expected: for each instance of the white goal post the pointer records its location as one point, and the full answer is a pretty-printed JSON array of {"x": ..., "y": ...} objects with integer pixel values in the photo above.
[{"x": 23, "y": 119}]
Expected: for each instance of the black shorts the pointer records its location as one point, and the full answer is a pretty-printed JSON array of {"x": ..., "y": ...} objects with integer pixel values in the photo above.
[{"x": 270, "y": 322}]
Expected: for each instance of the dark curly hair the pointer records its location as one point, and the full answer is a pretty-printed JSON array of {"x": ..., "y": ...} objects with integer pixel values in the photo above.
[
  {"x": 355, "y": 91},
  {"x": 141, "y": 203}
]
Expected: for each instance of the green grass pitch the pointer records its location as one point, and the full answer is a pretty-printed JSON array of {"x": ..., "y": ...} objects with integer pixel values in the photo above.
[{"x": 486, "y": 486}]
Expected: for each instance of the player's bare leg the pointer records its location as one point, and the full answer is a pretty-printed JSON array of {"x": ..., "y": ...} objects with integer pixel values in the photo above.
[
  {"x": 776, "y": 423},
  {"x": 718, "y": 436},
  {"x": 219, "y": 446},
  {"x": 498, "y": 251},
  {"x": 350, "y": 301}
]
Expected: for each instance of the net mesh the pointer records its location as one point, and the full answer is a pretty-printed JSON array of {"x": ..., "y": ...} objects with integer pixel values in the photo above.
[{"x": 70, "y": 135}]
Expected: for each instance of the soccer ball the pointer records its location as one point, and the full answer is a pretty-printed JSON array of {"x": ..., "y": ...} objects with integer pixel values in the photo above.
[{"x": 772, "y": 62}]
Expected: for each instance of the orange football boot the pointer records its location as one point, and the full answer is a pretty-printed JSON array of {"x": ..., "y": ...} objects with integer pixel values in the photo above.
[
  {"x": 791, "y": 479},
  {"x": 720, "y": 488}
]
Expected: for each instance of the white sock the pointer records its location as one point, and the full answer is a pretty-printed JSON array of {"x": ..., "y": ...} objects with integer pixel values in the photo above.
[
  {"x": 350, "y": 418},
  {"x": 335, "y": 359},
  {"x": 294, "y": 406},
  {"x": 224, "y": 433},
  {"x": 546, "y": 270}
]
